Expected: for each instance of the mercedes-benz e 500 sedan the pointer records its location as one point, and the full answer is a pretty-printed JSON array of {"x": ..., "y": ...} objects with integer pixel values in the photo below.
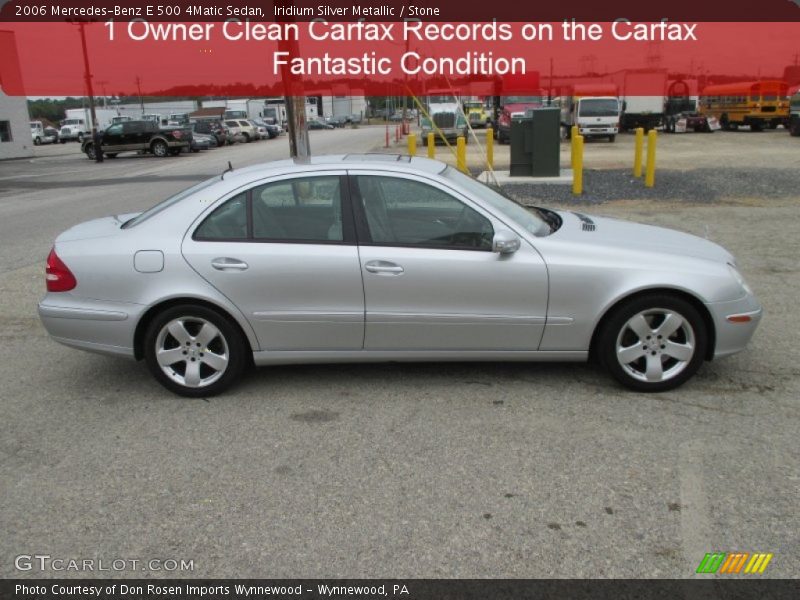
[{"x": 387, "y": 258}]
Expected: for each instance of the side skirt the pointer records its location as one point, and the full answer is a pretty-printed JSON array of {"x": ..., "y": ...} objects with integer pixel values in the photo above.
[{"x": 285, "y": 357}]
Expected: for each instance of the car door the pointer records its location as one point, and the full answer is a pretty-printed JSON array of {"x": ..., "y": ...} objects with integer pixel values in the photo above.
[
  {"x": 431, "y": 280},
  {"x": 284, "y": 253},
  {"x": 113, "y": 139}
]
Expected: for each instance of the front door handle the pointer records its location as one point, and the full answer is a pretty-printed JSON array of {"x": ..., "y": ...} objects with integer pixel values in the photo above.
[
  {"x": 383, "y": 266},
  {"x": 228, "y": 264}
]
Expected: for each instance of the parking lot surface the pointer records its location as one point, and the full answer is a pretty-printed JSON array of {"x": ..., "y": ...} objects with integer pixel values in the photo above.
[{"x": 402, "y": 470}]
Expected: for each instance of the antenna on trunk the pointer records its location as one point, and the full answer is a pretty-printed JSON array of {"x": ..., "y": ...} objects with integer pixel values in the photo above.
[{"x": 228, "y": 170}]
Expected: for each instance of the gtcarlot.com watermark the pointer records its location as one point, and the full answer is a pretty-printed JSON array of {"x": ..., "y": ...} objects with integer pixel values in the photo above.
[{"x": 45, "y": 562}]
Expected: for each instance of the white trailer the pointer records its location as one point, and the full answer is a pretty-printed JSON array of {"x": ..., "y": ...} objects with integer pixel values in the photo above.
[
  {"x": 78, "y": 122},
  {"x": 638, "y": 110}
]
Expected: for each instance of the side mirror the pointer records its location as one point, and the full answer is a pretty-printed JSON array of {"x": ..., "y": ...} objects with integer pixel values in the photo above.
[{"x": 505, "y": 242}]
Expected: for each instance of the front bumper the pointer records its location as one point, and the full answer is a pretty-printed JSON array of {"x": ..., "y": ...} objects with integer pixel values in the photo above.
[
  {"x": 735, "y": 322},
  {"x": 590, "y": 131}
]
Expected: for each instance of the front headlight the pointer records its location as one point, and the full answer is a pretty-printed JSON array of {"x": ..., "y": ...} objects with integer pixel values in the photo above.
[{"x": 738, "y": 277}]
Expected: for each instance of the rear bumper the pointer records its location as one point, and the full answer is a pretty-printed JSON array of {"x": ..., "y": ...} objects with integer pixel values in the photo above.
[
  {"x": 735, "y": 323},
  {"x": 92, "y": 325}
]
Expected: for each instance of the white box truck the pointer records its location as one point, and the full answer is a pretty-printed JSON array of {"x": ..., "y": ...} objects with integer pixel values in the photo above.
[{"x": 593, "y": 108}]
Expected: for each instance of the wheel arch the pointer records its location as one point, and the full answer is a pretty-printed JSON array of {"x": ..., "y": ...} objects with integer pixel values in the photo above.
[
  {"x": 148, "y": 316},
  {"x": 698, "y": 304}
]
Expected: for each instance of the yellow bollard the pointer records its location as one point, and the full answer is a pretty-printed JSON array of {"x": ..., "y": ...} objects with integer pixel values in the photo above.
[
  {"x": 577, "y": 170},
  {"x": 461, "y": 154},
  {"x": 574, "y": 132},
  {"x": 650, "y": 168},
  {"x": 490, "y": 147},
  {"x": 412, "y": 144},
  {"x": 637, "y": 152},
  {"x": 431, "y": 146}
]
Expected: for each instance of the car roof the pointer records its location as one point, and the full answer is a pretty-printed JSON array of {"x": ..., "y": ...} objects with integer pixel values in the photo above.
[{"x": 390, "y": 162}]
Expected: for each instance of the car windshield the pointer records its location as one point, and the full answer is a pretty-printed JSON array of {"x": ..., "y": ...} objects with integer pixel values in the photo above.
[
  {"x": 598, "y": 107},
  {"x": 521, "y": 215},
  {"x": 164, "y": 204}
]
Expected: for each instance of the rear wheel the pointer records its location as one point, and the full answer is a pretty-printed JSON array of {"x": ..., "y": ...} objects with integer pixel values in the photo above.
[
  {"x": 653, "y": 343},
  {"x": 159, "y": 148},
  {"x": 194, "y": 351},
  {"x": 90, "y": 152}
]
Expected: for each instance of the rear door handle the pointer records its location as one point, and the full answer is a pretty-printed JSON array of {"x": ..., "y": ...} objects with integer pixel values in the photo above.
[
  {"x": 228, "y": 264},
  {"x": 383, "y": 266}
]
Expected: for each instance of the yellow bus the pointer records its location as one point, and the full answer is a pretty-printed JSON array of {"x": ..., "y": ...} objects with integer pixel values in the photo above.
[{"x": 758, "y": 104}]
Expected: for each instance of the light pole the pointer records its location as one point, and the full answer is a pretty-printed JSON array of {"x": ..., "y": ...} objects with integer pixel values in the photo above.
[{"x": 98, "y": 151}]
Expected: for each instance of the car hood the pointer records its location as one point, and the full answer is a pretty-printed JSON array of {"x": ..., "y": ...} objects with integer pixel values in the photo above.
[
  {"x": 625, "y": 235},
  {"x": 95, "y": 228}
]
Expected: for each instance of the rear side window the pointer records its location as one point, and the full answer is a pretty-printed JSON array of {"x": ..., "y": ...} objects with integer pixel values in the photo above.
[
  {"x": 306, "y": 209},
  {"x": 228, "y": 222}
]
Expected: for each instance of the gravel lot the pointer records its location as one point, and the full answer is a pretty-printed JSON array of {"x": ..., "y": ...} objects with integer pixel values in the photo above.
[{"x": 437, "y": 470}]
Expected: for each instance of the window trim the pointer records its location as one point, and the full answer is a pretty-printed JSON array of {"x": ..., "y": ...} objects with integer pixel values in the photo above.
[
  {"x": 348, "y": 222},
  {"x": 362, "y": 225}
]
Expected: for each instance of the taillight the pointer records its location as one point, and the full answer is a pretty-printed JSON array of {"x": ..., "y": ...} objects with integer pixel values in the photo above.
[{"x": 59, "y": 278}]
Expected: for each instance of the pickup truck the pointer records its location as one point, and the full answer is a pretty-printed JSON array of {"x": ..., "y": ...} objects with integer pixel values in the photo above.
[{"x": 139, "y": 136}]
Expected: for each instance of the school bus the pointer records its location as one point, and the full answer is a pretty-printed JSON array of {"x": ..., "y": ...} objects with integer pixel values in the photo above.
[{"x": 758, "y": 104}]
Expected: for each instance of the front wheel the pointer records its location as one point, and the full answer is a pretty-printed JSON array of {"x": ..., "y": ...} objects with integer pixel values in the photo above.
[
  {"x": 37, "y": 141},
  {"x": 194, "y": 351},
  {"x": 90, "y": 152},
  {"x": 653, "y": 343}
]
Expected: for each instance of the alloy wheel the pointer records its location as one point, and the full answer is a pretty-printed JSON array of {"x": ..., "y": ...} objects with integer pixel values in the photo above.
[
  {"x": 655, "y": 345},
  {"x": 192, "y": 352}
]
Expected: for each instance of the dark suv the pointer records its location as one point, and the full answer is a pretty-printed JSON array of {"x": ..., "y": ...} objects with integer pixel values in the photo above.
[{"x": 139, "y": 136}]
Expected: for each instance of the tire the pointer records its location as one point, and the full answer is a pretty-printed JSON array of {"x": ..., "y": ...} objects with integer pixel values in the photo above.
[
  {"x": 246, "y": 138},
  {"x": 756, "y": 126},
  {"x": 90, "y": 152},
  {"x": 80, "y": 138},
  {"x": 669, "y": 364},
  {"x": 206, "y": 367},
  {"x": 37, "y": 141},
  {"x": 159, "y": 148}
]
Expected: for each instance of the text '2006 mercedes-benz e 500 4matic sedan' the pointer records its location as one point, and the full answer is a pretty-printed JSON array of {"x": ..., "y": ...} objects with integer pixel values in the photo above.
[{"x": 387, "y": 258}]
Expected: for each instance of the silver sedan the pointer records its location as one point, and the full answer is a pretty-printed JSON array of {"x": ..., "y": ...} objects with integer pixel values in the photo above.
[{"x": 387, "y": 258}]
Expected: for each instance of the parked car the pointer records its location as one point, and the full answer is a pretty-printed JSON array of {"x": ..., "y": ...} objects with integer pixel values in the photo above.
[
  {"x": 318, "y": 124},
  {"x": 242, "y": 130},
  {"x": 139, "y": 136},
  {"x": 338, "y": 122},
  {"x": 369, "y": 259},
  {"x": 214, "y": 128},
  {"x": 272, "y": 130},
  {"x": 261, "y": 131},
  {"x": 50, "y": 135},
  {"x": 201, "y": 141}
]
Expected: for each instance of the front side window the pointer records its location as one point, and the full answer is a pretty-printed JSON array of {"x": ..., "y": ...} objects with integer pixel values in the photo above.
[
  {"x": 405, "y": 212},
  {"x": 114, "y": 129}
]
